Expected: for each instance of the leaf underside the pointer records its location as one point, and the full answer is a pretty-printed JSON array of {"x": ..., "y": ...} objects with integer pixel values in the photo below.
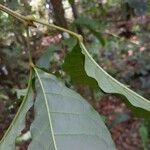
[
  {"x": 106, "y": 82},
  {"x": 64, "y": 120}
]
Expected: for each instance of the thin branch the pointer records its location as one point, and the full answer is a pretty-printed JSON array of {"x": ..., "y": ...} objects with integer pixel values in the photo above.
[
  {"x": 29, "y": 20},
  {"x": 78, "y": 36},
  {"x": 28, "y": 45},
  {"x": 13, "y": 13},
  {"x": 116, "y": 36}
]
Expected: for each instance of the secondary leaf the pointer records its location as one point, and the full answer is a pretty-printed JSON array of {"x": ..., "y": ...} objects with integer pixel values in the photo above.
[
  {"x": 106, "y": 82},
  {"x": 143, "y": 131},
  {"x": 18, "y": 123},
  {"x": 93, "y": 26},
  {"x": 64, "y": 120},
  {"x": 74, "y": 66},
  {"x": 44, "y": 60},
  {"x": 70, "y": 43}
]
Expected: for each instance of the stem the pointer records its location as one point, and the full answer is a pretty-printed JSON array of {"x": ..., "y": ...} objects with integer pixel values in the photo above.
[
  {"x": 29, "y": 21},
  {"x": 78, "y": 36},
  {"x": 13, "y": 13},
  {"x": 28, "y": 46},
  {"x": 116, "y": 36}
]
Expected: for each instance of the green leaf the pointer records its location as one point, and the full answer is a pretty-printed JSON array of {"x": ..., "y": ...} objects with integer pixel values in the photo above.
[
  {"x": 70, "y": 43},
  {"x": 74, "y": 66},
  {"x": 64, "y": 120},
  {"x": 44, "y": 60},
  {"x": 21, "y": 92},
  {"x": 98, "y": 36},
  {"x": 86, "y": 21},
  {"x": 18, "y": 123},
  {"x": 93, "y": 26},
  {"x": 106, "y": 82},
  {"x": 143, "y": 131},
  {"x": 13, "y": 4},
  {"x": 71, "y": 1}
]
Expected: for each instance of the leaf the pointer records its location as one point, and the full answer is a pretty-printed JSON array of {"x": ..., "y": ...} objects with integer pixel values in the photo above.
[
  {"x": 18, "y": 123},
  {"x": 13, "y": 4},
  {"x": 106, "y": 82},
  {"x": 74, "y": 66},
  {"x": 98, "y": 36},
  {"x": 92, "y": 25},
  {"x": 44, "y": 60},
  {"x": 70, "y": 43},
  {"x": 86, "y": 21},
  {"x": 143, "y": 131},
  {"x": 71, "y": 1},
  {"x": 64, "y": 120},
  {"x": 140, "y": 6},
  {"x": 21, "y": 92}
]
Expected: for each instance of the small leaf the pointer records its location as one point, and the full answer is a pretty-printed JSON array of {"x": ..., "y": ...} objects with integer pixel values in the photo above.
[
  {"x": 44, "y": 60},
  {"x": 64, "y": 120},
  {"x": 93, "y": 26},
  {"x": 9, "y": 139},
  {"x": 99, "y": 37},
  {"x": 70, "y": 43},
  {"x": 71, "y": 1},
  {"x": 143, "y": 131}
]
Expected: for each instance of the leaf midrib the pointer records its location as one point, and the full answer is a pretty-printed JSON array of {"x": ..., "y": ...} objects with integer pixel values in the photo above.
[{"x": 48, "y": 110}]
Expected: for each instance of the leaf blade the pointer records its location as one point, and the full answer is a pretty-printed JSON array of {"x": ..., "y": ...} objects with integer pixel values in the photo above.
[
  {"x": 76, "y": 125},
  {"x": 109, "y": 84}
]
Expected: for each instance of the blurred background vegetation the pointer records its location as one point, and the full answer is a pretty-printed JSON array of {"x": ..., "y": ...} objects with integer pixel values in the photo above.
[{"x": 116, "y": 33}]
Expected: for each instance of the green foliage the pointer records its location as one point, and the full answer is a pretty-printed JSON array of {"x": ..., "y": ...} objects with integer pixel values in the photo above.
[
  {"x": 63, "y": 119},
  {"x": 74, "y": 66},
  {"x": 47, "y": 57},
  {"x": 144, "y": 136},
  {"x": 106, "y": 82},
  {"x": 70, "y": 43},
  {"x": 93, "y": 25}
]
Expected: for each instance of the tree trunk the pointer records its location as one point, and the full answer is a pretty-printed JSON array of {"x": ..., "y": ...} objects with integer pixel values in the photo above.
[
  {"x": 75, "y": 14},
  {"x": 59, "y": 13}
]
